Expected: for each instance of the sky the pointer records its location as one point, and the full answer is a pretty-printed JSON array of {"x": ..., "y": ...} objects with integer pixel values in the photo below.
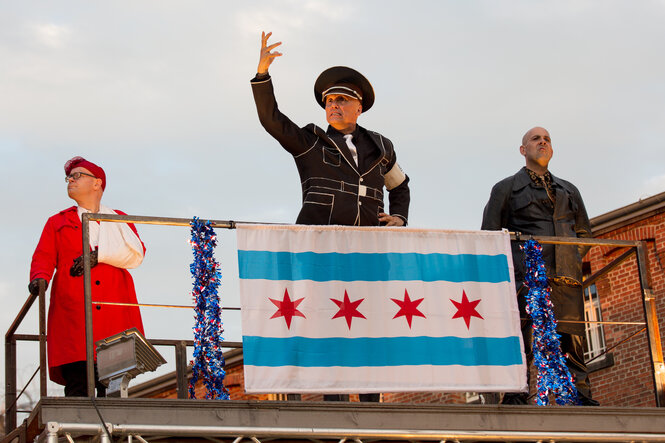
[{"x": 157, "y": 93}]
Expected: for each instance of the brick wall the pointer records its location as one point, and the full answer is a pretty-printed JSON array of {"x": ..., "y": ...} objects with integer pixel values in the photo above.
[
  {"x": 629, "y": 381},
  {"x": 234, "y": 382}
]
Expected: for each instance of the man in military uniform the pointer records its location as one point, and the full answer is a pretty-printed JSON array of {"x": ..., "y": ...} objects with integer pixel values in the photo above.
[
  {"x": 535, "y": 202},
  {"x": 344, "y": 169}
]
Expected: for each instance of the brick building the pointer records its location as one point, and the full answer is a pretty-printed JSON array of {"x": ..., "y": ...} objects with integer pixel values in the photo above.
[
  {"x": 619, "y": 354},
  {"x": 623, "y": 376}
]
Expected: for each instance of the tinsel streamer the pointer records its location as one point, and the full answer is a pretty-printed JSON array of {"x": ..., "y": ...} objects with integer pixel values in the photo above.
[
  {"x": 208, "y": 361},
  {"x": 553, "y": 374}
]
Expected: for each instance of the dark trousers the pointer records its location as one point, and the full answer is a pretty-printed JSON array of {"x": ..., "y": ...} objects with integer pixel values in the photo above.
[
  {"x": 572, "y": 346},
  {"x": 76, "y": 380}
]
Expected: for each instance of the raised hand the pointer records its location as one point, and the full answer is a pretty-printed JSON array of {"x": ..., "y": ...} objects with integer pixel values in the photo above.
[{"x": 267, "y": 57}]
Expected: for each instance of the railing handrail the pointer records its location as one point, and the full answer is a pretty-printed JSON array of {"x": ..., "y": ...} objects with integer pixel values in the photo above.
[
  {"x": 20, "y": 316},
  {"x": 231, "y": 224},
  {"x": 150, "y": 220},
  {"x": 552, "y": 240}
]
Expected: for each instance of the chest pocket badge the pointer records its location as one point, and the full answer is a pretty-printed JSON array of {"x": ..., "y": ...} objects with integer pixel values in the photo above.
[{"x": 331, "y": 157}]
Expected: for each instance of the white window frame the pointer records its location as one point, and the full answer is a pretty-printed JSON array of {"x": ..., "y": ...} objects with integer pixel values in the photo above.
[{"x": 595, "y": 333}]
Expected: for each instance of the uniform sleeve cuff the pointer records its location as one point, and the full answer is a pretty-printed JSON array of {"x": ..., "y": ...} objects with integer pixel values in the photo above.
[
  {"x": 260, "y": 78},
  {"x": 402, "y": 217}
]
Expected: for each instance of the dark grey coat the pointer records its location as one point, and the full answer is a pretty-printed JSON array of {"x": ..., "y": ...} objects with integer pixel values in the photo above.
[{"x": 518, "y": 205}]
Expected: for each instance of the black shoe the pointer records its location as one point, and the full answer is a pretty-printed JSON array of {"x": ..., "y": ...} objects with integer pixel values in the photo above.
[
  {"x": 586, "y": 401},
  {"x": 515, "y": 399}
]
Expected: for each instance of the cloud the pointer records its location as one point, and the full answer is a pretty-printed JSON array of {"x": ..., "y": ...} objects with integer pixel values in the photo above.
[
  {"x": 51, "y": 35},
  {"x": 290, "y": 17}
]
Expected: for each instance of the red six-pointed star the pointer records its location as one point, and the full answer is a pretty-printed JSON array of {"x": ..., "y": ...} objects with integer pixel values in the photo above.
[
  {"x": 466, "y": 309},
  {"x": 348, "y": 309},
  {"x": 287, "y": 308},
  {"x": 408, "y": 308}
]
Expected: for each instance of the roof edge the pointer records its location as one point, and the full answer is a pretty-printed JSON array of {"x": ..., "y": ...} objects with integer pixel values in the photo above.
[{"x": 620, "y": 217}]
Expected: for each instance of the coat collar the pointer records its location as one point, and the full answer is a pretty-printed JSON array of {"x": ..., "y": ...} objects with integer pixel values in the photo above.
[
  {"x": 522, "y": 180},
  {"x": 67, "y": 217},
  {"x": 71, "y": 214}
]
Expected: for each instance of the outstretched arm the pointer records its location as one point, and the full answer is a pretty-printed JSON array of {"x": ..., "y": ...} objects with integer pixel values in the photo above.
[{"x": 266, "y": 58}]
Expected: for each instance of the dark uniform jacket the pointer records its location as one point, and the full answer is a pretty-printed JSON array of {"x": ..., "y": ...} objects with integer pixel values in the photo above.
[
  {"x": 519, "y": 205},
  {"x": 335, "y": 190}
]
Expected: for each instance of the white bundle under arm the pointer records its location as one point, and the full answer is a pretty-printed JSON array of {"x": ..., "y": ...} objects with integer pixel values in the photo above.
[{"x": 117, "y": 244}]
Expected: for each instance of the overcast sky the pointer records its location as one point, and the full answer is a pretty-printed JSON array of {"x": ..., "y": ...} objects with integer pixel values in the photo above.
[{"x": 157, "y": 93}]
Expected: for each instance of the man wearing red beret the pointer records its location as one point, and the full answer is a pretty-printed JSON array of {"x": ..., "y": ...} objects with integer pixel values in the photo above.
[{"x": 115, "y": 247}]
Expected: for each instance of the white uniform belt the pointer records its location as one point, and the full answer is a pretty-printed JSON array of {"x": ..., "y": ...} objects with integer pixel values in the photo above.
[{"x": 339, "y": 185}]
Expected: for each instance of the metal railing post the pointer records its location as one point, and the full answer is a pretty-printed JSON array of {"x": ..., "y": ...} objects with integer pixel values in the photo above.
[
  {"x": 87, "y": 299},
  {"x": 10, "y": 363},
  {"x": 653, "y": 332},
  {"x": 10, "y": 384},
  {"x": 181, "y": 369},
  {"x": 42, "y": 340}
]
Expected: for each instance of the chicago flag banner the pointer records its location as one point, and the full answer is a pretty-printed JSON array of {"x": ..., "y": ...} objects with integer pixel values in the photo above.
[{"x": 334, "y": 309}]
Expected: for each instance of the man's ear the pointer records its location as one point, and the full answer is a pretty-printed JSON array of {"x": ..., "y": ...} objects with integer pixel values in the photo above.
[{"x": 522, "y": 150}]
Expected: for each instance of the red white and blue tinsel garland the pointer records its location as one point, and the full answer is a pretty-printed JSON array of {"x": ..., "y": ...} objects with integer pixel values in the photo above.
[
  {"x": 208, "y": 362},
  {"x": 553, "y": 374}
]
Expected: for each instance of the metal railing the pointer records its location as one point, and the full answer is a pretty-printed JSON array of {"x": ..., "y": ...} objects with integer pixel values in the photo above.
[
  {"x": 634, "y": 247},
  {"x": 254, "y": 434}
]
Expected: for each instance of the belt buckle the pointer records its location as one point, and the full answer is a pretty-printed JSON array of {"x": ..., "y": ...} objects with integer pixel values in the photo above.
[{"x": 362, "y": 190}]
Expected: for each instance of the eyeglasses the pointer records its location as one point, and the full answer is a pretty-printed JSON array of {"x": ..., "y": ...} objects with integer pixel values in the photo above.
[{"x": 76, "y": 175}]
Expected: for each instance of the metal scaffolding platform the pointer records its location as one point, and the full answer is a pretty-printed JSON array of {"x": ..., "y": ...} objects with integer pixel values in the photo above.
[{"x": 160, "y": 420}]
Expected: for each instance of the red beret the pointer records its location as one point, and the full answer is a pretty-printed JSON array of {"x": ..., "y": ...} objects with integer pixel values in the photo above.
[{"x": 90, "y": 166}]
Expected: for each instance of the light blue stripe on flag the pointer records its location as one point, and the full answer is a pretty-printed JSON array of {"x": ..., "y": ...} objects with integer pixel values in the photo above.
[
  {"x": 333, "y": 266},
  {"x": 381, "y": 351}
]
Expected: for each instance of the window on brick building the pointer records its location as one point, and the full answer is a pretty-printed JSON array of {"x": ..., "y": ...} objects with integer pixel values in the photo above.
[
  {"x": 595, "y": 334},
  {"x": 472, "y": 397}
]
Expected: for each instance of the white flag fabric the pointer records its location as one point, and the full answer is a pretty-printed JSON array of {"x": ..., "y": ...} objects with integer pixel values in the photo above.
[{"x": 336, "y": 309}]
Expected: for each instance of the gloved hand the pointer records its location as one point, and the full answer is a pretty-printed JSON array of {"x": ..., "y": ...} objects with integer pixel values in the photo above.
[
  {"x": 33, "y": 286},
  {"x": 77, "y": 268}
]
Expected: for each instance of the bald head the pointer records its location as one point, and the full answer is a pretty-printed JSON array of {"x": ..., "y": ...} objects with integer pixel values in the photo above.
[
  {"x": 537, "y": 149},
  {"x": 530, "y": 131}
]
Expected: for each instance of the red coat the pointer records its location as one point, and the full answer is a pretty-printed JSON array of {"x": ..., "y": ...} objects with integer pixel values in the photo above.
[{"x": 60, "y": 243}]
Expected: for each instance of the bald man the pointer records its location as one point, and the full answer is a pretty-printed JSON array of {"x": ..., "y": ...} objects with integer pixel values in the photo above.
[{"x": 535, "y": 202}]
